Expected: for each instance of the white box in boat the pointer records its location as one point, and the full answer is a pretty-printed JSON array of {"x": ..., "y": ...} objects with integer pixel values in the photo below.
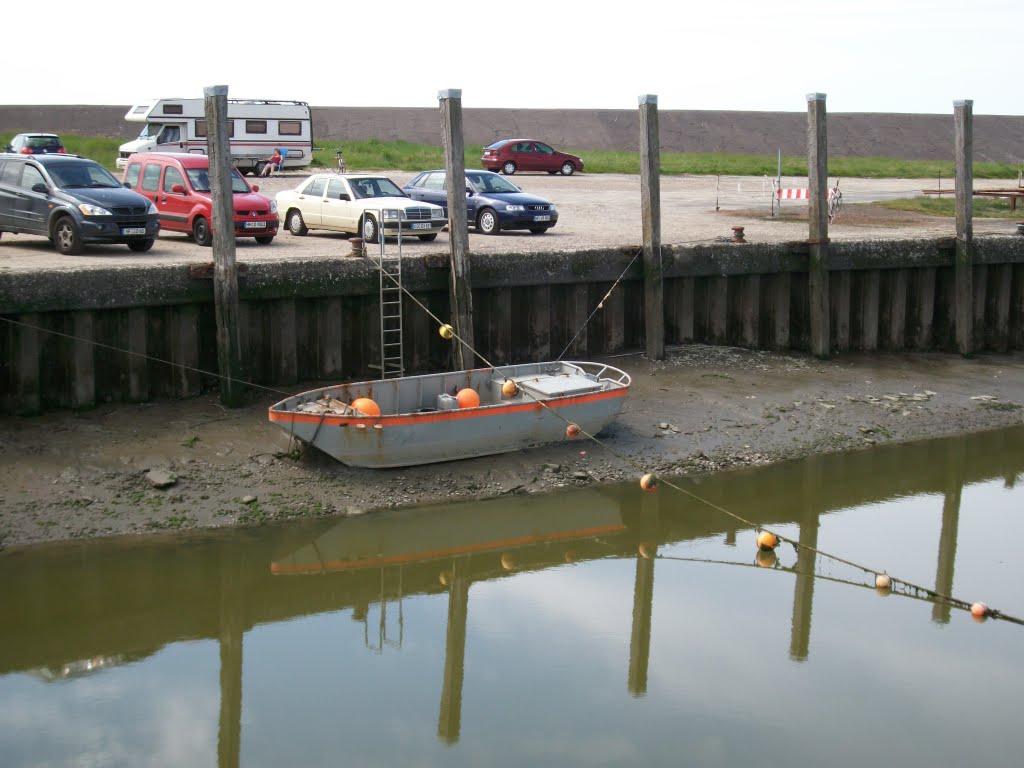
[
  {"x": 446, "y": 402},
  {"x": 558, "y": 385}
]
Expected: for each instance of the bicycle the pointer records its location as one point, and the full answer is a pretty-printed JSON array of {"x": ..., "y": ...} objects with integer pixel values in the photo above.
[{"x": 340, "y": 161}]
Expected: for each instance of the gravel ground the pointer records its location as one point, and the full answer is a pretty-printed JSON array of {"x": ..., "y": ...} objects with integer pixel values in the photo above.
[
  {"x": 595, "y": 211},
  {"x": 702, "y": 409}
]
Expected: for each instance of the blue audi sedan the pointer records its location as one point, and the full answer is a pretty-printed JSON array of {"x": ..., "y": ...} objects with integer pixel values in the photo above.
[{"x": 493, "y": 203}]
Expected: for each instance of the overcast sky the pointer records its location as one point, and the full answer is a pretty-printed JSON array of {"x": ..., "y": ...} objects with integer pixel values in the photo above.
[{"x": 866, "y": 55}]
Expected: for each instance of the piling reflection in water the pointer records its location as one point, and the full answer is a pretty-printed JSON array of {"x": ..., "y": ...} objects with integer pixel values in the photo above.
[{"x": 125, "y": 599}]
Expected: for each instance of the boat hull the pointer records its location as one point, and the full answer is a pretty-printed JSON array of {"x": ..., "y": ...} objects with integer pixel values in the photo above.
[{"x": 430, "y": 435}]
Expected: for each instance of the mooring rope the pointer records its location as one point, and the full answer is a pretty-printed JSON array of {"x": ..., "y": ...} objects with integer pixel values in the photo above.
[{"x": 991, "y": 612}]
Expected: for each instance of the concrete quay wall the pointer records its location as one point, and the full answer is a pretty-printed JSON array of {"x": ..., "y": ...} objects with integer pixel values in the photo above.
[{"x": 133, "y": 334}]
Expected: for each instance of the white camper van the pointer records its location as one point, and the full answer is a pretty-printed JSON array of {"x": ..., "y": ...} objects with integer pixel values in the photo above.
[{"x": 255, "y": 129}]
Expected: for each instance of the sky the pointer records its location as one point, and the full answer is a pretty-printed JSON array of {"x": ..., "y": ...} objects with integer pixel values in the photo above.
[{"x": 866, "y": 56}]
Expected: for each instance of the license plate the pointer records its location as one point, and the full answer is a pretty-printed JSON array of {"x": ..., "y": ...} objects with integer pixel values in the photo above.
[
  {"x": 421, "y": 225},
  {"x": 254, "y": 225},
  {"x": 133, "y": 231},
  {"x": 542, "y": 218}
]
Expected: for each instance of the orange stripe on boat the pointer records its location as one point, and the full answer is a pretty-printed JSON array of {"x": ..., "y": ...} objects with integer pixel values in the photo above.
[{"x": 433, "y": 416}]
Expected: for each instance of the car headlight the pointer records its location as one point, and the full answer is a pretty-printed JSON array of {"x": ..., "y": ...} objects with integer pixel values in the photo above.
[
  {"x": 515, "y": 208},
  {"x": 151, "y": 209},
  {"x": 94, "y": 210},
  {"x": 273, "y": 206},
  {"x": 391, "y": 213}
]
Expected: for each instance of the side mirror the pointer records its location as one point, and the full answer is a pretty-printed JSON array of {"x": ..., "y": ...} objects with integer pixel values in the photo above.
[
  {"x": 344, "y": 196},
  {"x": 255, "y": 187},
  {"x": 40, "y": 188},
  {"x": 178, "y": 189},
  {"x": 127, "y": 185},
  {"x": 469, "y": 191}
]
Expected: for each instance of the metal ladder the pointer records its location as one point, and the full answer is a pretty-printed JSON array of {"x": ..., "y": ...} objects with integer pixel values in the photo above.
[{"x": 389, "y": 267}]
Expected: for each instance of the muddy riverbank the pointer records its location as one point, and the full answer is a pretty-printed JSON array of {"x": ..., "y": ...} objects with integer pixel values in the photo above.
[{"x": 704, "y": 409}]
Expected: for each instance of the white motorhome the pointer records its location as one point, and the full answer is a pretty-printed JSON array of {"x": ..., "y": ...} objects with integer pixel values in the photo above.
[{"x": 255, "y": 129}]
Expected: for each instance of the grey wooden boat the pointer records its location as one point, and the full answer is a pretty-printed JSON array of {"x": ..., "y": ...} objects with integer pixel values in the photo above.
[{"x": 420, "y": 421}]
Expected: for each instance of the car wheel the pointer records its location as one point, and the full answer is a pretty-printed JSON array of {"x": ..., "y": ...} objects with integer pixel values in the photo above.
[
  {"x": 141, "y": 246},
  {"x": 370, "y": 231},
  {"x": 295, "y": 224},
  {"x": 428, "y": 238},
  {"x": 264, "y": 239},
  {"x": 201, "y": 232},
  {"x": 538, "y": 230},
  {"x": 508, "y": 168},
  {"x": 568, "y": 168},
  {"x": 66, "y": 238},
  {"x": 487, "y": 222}
]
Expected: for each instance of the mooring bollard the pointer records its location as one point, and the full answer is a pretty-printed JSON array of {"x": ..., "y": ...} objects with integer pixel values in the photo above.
[
  {"x": 1020, "y": 227},
  {"x": 357, "y": 246},
  {"x": 737, "y": 235}
]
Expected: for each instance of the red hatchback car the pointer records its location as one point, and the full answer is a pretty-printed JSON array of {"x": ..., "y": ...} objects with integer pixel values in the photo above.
[
  {"x": 179, "y": 186},
  {"x": 511, "y": 155}
]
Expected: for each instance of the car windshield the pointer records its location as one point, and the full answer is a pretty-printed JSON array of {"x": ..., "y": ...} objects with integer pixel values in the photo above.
[
  {"x": 375, "y": 187},
  {"x": 94, "y": 175},
  {"x": 491, "y": 182},
  {"x": 43, "y": 142},
  {"x": 150, "y": 131},
  {"x": 199, "y": 178}
]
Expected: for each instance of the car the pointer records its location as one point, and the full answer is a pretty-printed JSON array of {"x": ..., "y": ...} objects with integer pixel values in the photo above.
[
  {"x": 511, "y": 155},
  {"x": 73, "y": 201},
  {"x": 179, "y": 186},
  {"x": 356, "y": 203},
  {"x": 36, "y": 144},
  {"x": 493, "y": 203}
]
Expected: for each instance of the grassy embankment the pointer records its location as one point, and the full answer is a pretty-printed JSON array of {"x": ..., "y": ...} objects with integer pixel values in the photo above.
[{"x": 406, "y": 156}]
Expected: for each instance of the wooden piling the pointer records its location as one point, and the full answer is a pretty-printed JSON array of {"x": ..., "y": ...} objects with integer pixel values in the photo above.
[
  {"x": 964, "y": 157},
  {"x": 650, "y": 200},
  {"x": 460, "y": 286},
  {"x": 225, "y": 276},
  {"x": 817, "y": 258},
  {"x": 83, "y": 365}
]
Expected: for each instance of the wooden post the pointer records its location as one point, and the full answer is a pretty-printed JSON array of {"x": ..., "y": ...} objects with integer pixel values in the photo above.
[
  {"x": 963, "y": 266},
  {"x": 817, "y": 258},
  {"x": 225, "y": 272},
  {"x": 460, "y": 287},
  {"x": 650, "y": 198}
]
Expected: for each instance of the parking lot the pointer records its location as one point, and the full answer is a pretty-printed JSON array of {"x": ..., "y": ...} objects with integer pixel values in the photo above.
[{"x": 595, "y": 211}]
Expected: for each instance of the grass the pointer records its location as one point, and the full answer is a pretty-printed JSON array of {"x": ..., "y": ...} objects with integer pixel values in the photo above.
[
  {"x": 374, "y": 154},
  {"x": 984, "y": 208}
]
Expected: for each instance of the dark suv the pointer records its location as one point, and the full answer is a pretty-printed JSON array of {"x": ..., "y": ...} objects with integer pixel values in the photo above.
[{"x": 73, "y": 201}]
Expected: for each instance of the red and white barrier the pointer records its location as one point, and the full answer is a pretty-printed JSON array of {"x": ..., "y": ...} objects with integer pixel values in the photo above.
[{"x": 799, "y": 194}]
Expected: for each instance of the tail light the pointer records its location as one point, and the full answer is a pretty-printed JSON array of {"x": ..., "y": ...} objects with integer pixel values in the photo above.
[
  {"x": 62, "y": 151},
  {"x": 25, "y": 151}
]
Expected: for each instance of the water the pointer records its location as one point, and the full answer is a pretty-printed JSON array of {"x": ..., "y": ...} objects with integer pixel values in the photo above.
[{"x": 532, "y": 631}]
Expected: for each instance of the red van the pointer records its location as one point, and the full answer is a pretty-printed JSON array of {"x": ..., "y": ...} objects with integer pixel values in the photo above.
[{"x": 179, "y": 186}]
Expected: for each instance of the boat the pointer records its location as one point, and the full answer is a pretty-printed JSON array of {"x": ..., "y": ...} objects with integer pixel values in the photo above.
[{"x": 411, "y": 420}]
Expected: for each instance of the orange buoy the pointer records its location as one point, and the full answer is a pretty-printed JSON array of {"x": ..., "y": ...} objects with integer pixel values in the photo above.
[
  {"x": 572, "y": 431},
  {"x": 366, "y": 406},
  {"x": 979, "y": 611},
  {"x": 446, "y": 331},
  {"x": 509, "y": 388},
  {"x": 468, "y": 398},
  {"x": 766, "y": 558},
  {"x": 648, "y": 482},
  {"x": 883, "y": 583},
  {"x": 508, "y": 562},
  {"x": 767, "y": 541}
]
